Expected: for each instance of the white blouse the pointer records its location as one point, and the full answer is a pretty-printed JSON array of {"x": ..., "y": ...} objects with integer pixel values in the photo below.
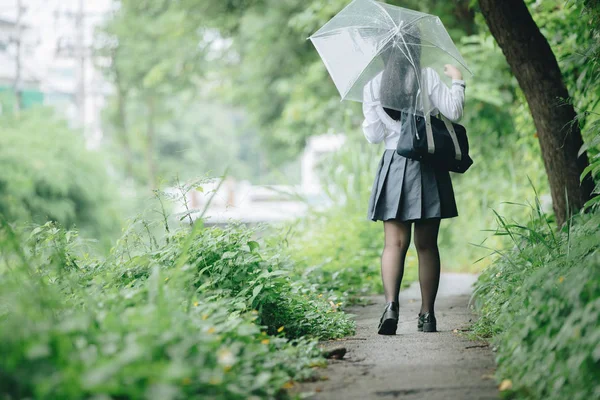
[{"x": 378, "y": 125}]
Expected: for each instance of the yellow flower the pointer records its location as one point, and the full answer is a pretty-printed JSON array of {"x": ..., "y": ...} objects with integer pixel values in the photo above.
[
  {"x": 280, "y": 329},
  {"x": 561, "y": 279},
  {"x": 196, "y": 304},
  {"x": 288, "y": 385},
  {"x": 204, "y": 316},
  {"x": 265, "y": 341},
  {"x": 320, "y": 295},
  {"x": 211, "y": 329},
  {"x": 186, "y": 381}
]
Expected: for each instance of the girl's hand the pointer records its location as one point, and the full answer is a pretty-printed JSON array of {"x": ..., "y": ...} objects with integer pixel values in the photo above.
[{"x": 452, "y": 72}]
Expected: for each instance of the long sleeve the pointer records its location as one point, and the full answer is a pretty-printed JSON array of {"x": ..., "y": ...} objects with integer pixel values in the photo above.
[
  {"x": 373, "y": 127},
  {"x": 449, "y": 101}
]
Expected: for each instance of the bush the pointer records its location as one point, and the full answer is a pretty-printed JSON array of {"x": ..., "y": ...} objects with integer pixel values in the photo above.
[
  {"x": 48, "y": 174},
  {"x": 204, "y": 313},
  {"x": 540, "y": 303}
]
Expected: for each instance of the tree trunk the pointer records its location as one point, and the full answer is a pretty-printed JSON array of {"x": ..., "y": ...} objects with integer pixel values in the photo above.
[{"x": 534, "y": 65}]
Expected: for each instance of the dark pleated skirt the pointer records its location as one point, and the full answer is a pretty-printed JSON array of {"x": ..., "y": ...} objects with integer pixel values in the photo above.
[{"x": 408, "y": 190}]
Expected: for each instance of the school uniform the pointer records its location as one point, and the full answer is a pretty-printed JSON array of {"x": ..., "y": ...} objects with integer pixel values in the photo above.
[{"x": 406, "y": 189}]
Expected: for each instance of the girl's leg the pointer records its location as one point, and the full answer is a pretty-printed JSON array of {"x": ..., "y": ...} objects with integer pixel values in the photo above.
[
  {"x": 397, "y": 240},
  {"x": 426, "y": 235}
]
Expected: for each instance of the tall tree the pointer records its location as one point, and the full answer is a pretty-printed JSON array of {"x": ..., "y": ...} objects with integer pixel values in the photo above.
[
  {"x": 535, "y": 66},
  {"x": 152, "y": 52}
]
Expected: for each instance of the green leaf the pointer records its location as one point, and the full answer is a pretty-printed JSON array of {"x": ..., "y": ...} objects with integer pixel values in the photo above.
[{"x": 253, "y": 245}]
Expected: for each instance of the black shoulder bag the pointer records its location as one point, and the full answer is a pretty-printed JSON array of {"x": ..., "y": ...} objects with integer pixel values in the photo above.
[
  {"x": 438, "y": 141},
  {"x": 434, "y": 140}
]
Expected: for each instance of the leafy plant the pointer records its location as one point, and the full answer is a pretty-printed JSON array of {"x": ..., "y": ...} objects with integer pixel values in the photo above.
[
  {"x": 202, "y": 312},
  {"x": 48, "y": 174},
  {"x": 539, "y": 302}
]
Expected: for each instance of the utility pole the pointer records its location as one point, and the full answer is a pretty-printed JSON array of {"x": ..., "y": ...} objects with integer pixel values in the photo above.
[
  {"x": 18, "y": 40},
  {"x": 80, "y": 53}
]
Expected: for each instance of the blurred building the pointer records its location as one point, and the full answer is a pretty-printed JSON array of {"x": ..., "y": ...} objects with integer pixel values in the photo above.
[
  {"x": 56, "y": 68},
  {"x": 316, "y": 148},
  {"x": 241, "y": 201}
]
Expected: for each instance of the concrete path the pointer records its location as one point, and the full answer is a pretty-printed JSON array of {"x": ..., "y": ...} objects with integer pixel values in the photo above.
[{"x": 411, "y": 365}]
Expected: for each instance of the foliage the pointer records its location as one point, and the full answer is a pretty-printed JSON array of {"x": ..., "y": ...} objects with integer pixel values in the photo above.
[
  {"x": 48, "y": 174},
  {"x": 203, "y": 312},
  {"x": 539, "y": 302},
  {"x": 277, "y": 75},
  {"x": 198, "y": 138},
  {"x": 158, "y": 121},
  {"x": 593, "y": 149}
]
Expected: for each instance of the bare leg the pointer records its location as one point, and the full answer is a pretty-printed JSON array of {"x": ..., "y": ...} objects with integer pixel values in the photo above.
[
  {"x": 426, "y": 235},
  {"x": 397, "y": 240}
]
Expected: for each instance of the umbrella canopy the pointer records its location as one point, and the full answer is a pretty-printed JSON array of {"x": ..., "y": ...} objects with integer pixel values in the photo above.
[{"x": 369, "y": 39}]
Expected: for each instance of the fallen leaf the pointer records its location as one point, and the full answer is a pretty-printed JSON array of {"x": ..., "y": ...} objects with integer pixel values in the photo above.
[{"x": 505, "y": 385}]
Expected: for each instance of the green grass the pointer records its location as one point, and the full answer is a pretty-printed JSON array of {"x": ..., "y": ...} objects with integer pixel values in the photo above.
[{"x": 539, "y": 302}]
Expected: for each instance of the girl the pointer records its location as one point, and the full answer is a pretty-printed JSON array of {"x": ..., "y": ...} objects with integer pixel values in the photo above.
[{"x": 407, "y": 191}]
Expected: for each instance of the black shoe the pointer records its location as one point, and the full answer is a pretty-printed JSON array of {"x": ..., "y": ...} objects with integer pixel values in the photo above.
[
  {"x": 420, "y": 322},
  {"x": 389, "y": 320},
  {"x": 429, "y": 322}
]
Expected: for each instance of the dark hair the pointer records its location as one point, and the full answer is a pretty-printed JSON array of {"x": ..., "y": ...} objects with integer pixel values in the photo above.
[{"x": 400, "y": 80}]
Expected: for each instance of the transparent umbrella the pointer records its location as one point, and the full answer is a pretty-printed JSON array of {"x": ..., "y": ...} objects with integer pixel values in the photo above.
[{"x": 372, "y": 41}]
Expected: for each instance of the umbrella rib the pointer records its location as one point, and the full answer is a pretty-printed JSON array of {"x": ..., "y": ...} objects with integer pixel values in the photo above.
[
  {"x": 345, "y": 28},
  {"x": 363, "y": 70},
  {"x": 417, "y": 71},
  {"x": 385, "y": 12},
  {"x": 438, "y": 47},
  {"x": 433, "y": 44},
  {"x": 414, "y": 21}
]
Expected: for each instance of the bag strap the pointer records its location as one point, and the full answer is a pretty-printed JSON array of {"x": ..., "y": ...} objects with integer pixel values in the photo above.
[
  {"x": 429, "y": 130},
  {"x": 450, "y": 127}
]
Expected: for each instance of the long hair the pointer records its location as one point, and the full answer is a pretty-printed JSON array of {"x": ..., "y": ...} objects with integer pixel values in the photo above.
[{"x": 402, "y": 72}]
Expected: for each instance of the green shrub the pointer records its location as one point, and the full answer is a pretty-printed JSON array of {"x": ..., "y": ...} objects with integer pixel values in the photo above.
[
  {"x": 48, "y": 174},
  {"x": 540, "y": 303},
  {"x": 204, "y": 313}
]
